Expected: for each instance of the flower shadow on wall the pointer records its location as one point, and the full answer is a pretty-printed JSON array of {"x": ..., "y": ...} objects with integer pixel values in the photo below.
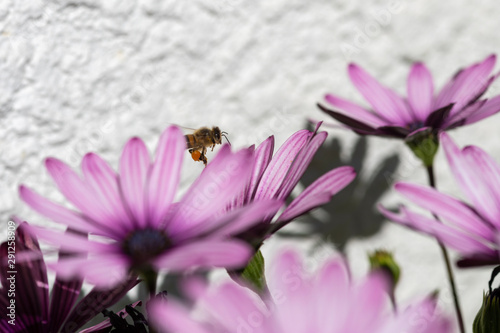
[{"x": 343, "y": 219}]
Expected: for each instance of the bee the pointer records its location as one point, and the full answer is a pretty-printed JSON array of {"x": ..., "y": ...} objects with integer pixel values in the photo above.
[{"x": 203, "y": 138}]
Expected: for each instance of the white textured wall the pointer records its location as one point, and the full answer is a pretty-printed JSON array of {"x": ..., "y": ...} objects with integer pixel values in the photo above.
[{"x": 78, "y": 76}]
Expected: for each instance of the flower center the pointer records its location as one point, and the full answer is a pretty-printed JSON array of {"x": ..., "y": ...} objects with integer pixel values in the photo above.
[
  {"x": 144, "y": 244},
  {"x": 415, "y": 125}
]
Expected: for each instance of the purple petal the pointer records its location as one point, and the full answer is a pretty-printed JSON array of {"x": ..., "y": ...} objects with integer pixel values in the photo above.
[
  {"x": 63, "y": 298},
  {"x": 96, "y": 301},
  {"x": 487, "y": 109},
  {"x": 425, "y": 311},
  {"x": 479, "y": 259},
  {"x": 439, "y": 117},
  {"x": 104, "y": 185},
  {"x": 355, "y": 111},
  {"x": 468, "y": 173},
  {"x": 450, "y": 236},
  {"x": 384, "y": 101},
  {"x": 277, "y": 170},
  {"x": 319, "y": 192},
  {"x": 318, "y": 125},
  {"x": 134, "y": 166},
  {"x": 333, "y": 281},
  {"x": 300, "y": 164},
  {"x": 220, "y": 182},
  {"x": 104, "y": 271},
  {"x": 233, "y": 222},
  {"x": 172, "y": 317},
  {"x": 290, "y": 284},
  {"x": 489, "y": 174},
  {"x": 460, "y": 118},
  {"x": 56, "y": 212},
  {"x": 230, "y": 303},
  {"x": 69, "y": 241},
  {"x": 206, "y": 253},
  {"x": 335, "y": 274},
  {"x": 403, "y": 219},
  {"x": 242, "y": 197},
  {"x": 287, "y": 266},
  {"x": 370, "y": 298},
  {"x": 420, "y": 91},
  {"x": 165, "y": 174},
  {"x": 460, "y": 241},
  {"x": 351, "y": 123},
  {"x": 76, "y": 191},
  {"x": 31, "y": 285},
  {"x": 263, "y": 156},
  {"x": 446, "y": 207},
  {"x": 490, "y": 168},
  {"x": 466, "y": 85},
  {"x": 393, "y": 131},
  {"x": 306, "y": 204}
]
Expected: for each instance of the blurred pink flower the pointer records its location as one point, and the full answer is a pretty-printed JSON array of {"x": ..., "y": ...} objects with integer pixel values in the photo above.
[
  {"x": 326, "y": 301},
  {"x": 274, "y": 177},
  {"x": 457, "y": 104},
  {"x": 472, "y": 229},
  {"x": 34, "y": 310},
  {"x": 140, "y": 227}
]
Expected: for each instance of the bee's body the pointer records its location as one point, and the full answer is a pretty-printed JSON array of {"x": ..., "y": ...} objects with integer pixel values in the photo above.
[{"x": 201, "y": 139}]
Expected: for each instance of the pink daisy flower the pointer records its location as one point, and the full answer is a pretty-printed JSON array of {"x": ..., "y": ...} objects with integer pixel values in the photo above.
[
  {"x": 457, "y": 104},
  {"x": 275, "y": 176},
  {"x": 471, "y": 229},
  {"x": 326, "y": 301},
  {"x": 33, "y": 309},
  {"x": 140, "y": 228}
]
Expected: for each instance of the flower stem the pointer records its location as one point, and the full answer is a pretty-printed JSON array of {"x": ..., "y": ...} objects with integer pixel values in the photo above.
[
  {"x": 444, "y": 251},
  {"x": 150, "y": 276}
]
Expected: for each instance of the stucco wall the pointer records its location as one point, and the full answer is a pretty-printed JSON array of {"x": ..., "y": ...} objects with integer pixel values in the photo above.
[{"x": 78, "y": 76}]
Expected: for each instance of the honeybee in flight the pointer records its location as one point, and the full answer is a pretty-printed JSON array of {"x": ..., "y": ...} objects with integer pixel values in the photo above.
[{"x": 203, "y": 138}]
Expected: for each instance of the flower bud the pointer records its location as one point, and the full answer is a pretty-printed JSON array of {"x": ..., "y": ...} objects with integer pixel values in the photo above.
[
  {"x": 424, "y": 144},
  {"x": 253, "y": 275},
  {"x": 488, "y": 318},
  {"x": 383, "y": 260}
]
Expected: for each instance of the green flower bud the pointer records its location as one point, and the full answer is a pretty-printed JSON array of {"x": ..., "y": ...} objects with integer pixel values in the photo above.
[
  {"x": 382, "y": 259},
  {"x": 424, "y": 144},
  {"x": 253, "y": 275},
  {"x": 488, "y": 318}
]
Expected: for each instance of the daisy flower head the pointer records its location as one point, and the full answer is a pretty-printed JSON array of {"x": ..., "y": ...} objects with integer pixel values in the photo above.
[
  {"x": 458, "y": 103},
  {"x": 275, "y": 176},
  {"x": 140, "y": 228},
  {"x": 25, "y": 298},
  {"x": 325, "y": 301},
  {"x": 473, "y": 228}
]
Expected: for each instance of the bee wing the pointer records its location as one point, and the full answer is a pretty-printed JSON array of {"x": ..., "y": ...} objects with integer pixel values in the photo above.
[{"x": 184, "y": 128}]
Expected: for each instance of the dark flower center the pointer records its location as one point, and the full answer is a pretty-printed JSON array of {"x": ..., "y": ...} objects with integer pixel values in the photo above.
[
  {"x": 415, "y": 125},
  {"x": 144, "y": 244}
]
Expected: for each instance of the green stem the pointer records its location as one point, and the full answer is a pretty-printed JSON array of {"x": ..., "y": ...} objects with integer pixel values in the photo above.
[
  {"x": 150, "y": 276},
  {"x": 444, "y": 251}
]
